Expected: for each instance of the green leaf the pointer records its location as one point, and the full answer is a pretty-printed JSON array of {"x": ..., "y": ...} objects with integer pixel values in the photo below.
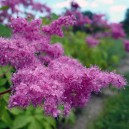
[
  {"x": 7, "y": 118},
  {"x": 6, "y": 98},
  {"x": 2, "y": 81},
  {"x": 51, "y": 121},
  {"x": 3, "y": 125},
  {"x": 2, "y": 106},
  {"x": 21, "y": 121},
  {"x": 16, "y": 111},
  {"x": 46, "y": 119},
  {"x": 35, "y": 124},
  {"x": 8, "y": 76},
  {"x": 4, "y": 8},
  {"x": 71, "y": 118},
  {"x": 47, "y": 125},
  {"x": 6, "y": 70}
]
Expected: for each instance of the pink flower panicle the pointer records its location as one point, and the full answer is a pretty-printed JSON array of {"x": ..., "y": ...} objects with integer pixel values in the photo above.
[
  {"x": 56, "y": 26},
  {"x": 29, "y": 30},
  {"x": 44, "y": 76}
]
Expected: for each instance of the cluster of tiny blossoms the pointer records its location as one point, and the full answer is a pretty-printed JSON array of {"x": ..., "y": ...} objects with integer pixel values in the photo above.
[{"x": 44, "y": 76}]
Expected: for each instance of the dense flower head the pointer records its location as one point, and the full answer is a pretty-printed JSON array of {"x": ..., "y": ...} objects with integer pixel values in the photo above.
[
  {"x": 64, "y": 82},
  {"x": 29, "y": 39},
  {"x": 29, "y": 30},
  {"x": 44, "y": 76},
  {"x": 56, "y": 26}
]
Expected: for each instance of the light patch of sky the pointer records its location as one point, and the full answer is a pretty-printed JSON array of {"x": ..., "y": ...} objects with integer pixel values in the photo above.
[{"x": 114, "y": 9}]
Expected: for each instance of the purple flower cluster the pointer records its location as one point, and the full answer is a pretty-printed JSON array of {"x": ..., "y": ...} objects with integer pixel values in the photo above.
[
  {"x": 13, "y": 8},
  {"x": 56, "y": 26},
  {"x": 117, "y": 31},
  {"x": 44, "y": 76}
]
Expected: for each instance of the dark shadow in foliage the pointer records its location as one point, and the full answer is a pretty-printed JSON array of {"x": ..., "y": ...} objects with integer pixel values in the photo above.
[
  {"x": 125, "y": 22},
  {"x": 84, "y": 28}
]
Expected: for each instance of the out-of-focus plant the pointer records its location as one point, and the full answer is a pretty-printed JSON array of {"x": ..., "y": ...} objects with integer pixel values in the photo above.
[
  {"x": 96, "y": 25},
  {"x": 106, "y": 55},
  {"x": 9, "y": 8}
]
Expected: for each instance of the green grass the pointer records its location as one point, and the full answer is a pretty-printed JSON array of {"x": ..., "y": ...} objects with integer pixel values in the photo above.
[{"x": 116, "y": 112}]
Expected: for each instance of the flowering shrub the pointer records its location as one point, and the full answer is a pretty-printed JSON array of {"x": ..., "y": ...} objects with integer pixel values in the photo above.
[
  {"x": 98, "y": 27},
  {"x": 44, "y": 75},
  {"x": 117, "y": 31},
  {"x": 113, "y": 30},
  {"x": 105, "y": 55}
]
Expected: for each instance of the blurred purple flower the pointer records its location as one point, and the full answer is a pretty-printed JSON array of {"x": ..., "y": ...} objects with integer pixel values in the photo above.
[
  {"x": 92, "y": 41},
  {"x": 117, "y": 31}
]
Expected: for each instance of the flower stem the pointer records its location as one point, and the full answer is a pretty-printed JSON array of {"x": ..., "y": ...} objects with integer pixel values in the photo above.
[{"x": 5, "y": 92}]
